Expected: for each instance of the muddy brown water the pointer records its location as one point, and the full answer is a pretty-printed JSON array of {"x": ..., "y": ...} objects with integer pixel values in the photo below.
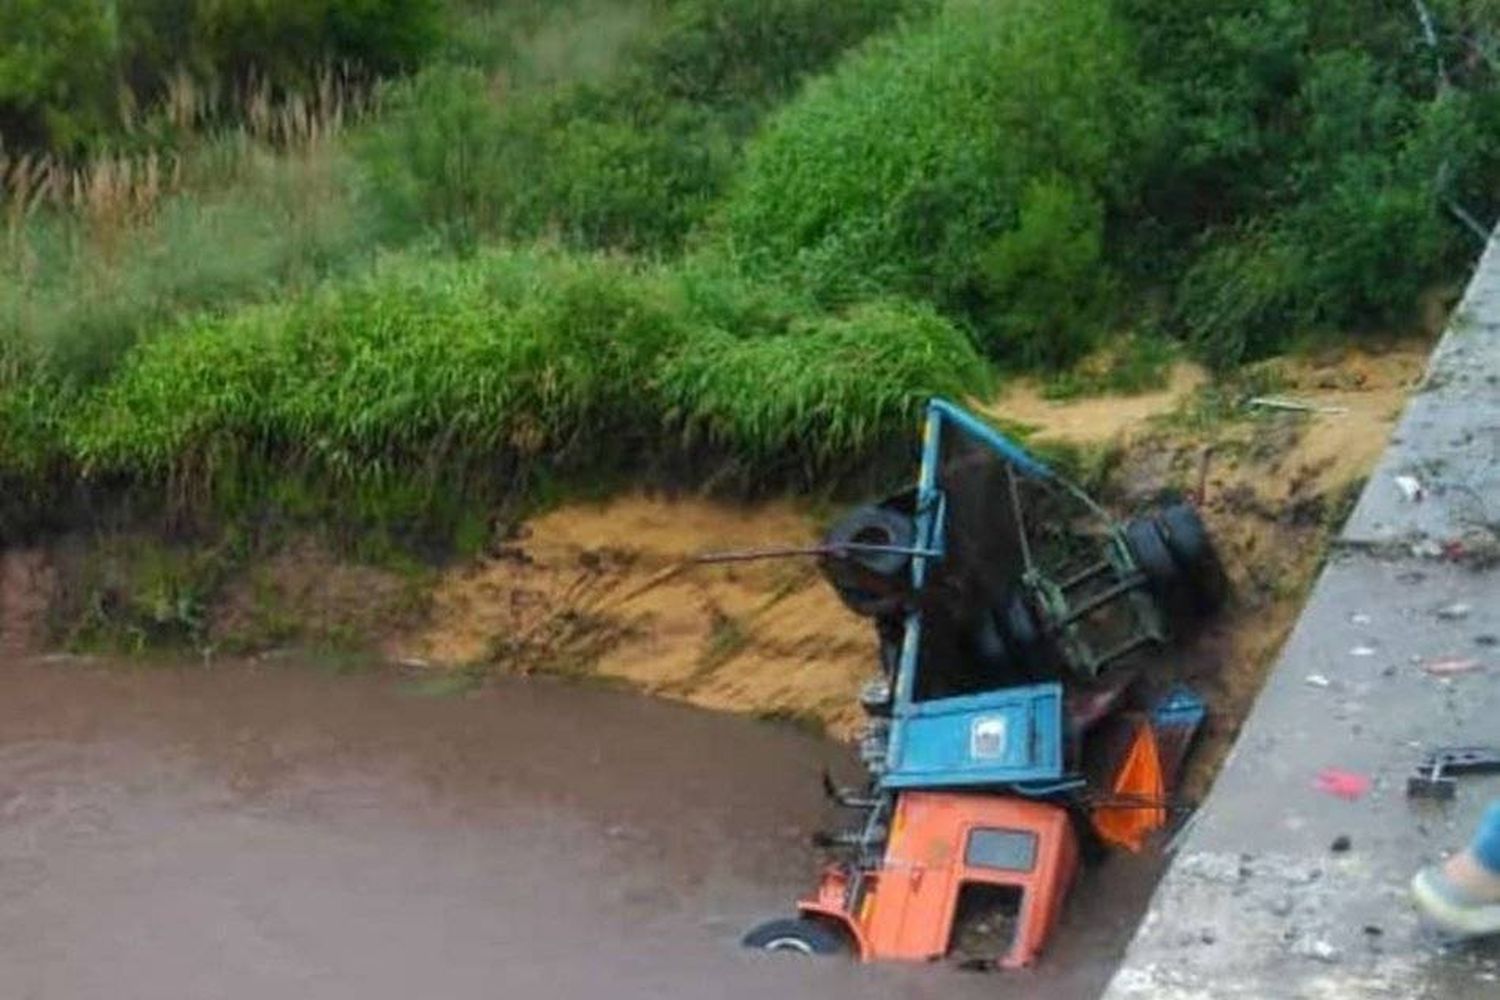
[{"x": 273, "y": 830}]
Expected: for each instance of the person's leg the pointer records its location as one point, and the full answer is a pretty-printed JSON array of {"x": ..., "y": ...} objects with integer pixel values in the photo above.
[
  {"x": 1486, "y": 844},
  {"x": 1462, "y": 896}
]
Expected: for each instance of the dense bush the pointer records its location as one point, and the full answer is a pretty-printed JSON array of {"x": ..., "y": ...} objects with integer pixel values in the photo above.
[
  {"x": 508, "y": 354},
  {"x": 961, "y": 160},
  {"x": 1311, "y": 153},
  {"x": 56, "y": 76},
  {"x": 69, "y": 69},
  {"x": 744, "y": 55},
  {"x": 631, "y": 158},
  {"x": 77, "y": 288},
  {"x": 427, "y": 371},
  {"x": 823, "y": 393},
  {"x": 586, "y": 167}
]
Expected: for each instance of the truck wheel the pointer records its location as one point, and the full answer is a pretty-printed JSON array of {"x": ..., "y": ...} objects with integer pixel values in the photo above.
[
  {"x": 867, "y": 604},
  {"x": 870, "y": 584},
  {"x": 1191, "y": 547},
  {"x": 1023, "y": 633},
  {"x": 990, "y": 647},
  {"x": 1149, "y": 549},
  {"x": 875, "y": 525},
  {"x": 796, "y": 936}
]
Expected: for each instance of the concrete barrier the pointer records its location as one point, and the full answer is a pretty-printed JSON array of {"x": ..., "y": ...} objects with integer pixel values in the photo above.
[{"x": 1282, "y": 889}]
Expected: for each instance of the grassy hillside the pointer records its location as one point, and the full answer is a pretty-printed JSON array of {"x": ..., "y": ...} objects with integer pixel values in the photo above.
[{"x": 385, "y": 262}]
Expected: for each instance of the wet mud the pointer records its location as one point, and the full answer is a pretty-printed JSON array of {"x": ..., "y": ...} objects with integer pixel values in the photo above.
[{"x": 275, "y": 829}]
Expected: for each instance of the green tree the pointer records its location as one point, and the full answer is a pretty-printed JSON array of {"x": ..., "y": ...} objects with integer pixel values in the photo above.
[{"x": 58, "y": 72}]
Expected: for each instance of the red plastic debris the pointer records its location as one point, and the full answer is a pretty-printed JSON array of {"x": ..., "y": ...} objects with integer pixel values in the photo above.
[
  {"x": 1343, "y": 784},
  {"x": 1447, "y": 668}
]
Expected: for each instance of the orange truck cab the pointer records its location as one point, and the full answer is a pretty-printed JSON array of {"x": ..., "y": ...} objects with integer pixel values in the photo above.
[
  {"x": 952, "y": 862},
  {"x": 1007, "y": 703}
]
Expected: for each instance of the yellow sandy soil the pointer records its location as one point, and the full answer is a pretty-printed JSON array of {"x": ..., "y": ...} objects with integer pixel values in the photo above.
[
  {"x": 605, "y": 590},
  {"x": 1094, "y": 419}
]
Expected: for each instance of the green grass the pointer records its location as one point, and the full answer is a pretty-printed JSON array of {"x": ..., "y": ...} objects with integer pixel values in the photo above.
[
  {"x": 406, "y": 396},
  {"x": 824, "y": 394},
  {"x": 1131, "y": 365},
  {"x": 77, "y": 288},
  {"x": 733, "y": 241}
]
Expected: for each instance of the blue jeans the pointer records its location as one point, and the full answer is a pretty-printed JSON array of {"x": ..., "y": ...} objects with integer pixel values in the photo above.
[{"x": 1486, "y": 845}]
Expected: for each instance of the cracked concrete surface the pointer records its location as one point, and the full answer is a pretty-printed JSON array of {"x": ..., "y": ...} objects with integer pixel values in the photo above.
[{"x": 1284, "y": 890}]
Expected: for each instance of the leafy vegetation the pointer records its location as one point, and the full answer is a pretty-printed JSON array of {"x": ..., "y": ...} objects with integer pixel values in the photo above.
[
  {"x": 632, "y": 151},
  {"x": 429, "y": 383},
  {"x": 965, "y": 159},
  {"x": 390, "y": 259},
  {"x": 76, "y": 74},
  {"x": 129, "y": 257},
  {"x": 1316, "y": 156}
]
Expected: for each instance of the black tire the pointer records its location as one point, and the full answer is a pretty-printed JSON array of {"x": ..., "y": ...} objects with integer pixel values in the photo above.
[
  {"x": 1021, "y": 624},
  {"x": 874, "y": 525},
  {"x": 870, "y": 584},
  {"x": 1149, "y": 549},
  {"x": 1193, "y": 549},
  {"x": 990, "y": 648},
  {"x": 868, "y": 604},
  {"x": 797, "y": 936}
]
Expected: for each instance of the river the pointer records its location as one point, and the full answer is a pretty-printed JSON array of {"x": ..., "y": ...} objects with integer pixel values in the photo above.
[{"x": 285, "y": 829}]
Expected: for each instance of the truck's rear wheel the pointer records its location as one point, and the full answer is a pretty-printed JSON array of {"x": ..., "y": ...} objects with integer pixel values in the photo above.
[
  {"x": 797, "y": 936},
  {"x": 1148, "y": 546},
  {"x": 1193, "y": 550},
  {"x": 870, "y": 583}
]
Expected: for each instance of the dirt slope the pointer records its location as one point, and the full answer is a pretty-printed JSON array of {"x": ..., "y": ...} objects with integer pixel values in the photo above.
[
  {"x": 26, "y": 585},
  {"x": 601, "y": 589}
]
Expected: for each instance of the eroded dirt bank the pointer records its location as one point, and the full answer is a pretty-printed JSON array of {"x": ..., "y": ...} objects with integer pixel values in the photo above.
[
  {"x": 600, "y": 589},
  {"x": 470, "y": 827}
]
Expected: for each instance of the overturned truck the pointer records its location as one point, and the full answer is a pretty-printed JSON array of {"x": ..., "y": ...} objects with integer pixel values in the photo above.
[{"x": 1021, "y": 719}]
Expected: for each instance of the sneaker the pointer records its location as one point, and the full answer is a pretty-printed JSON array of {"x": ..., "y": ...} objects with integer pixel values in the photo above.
[{"x": 1451, "y": 909}]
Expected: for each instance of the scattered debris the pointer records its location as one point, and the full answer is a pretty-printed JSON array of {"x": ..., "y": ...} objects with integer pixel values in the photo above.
[
  {"x": 1316, "y": 948},
  {"x": 1452, "y": 667},
  {"x": 1457, "y": 611},
  {"x": 1342, "y": 784},
  {"x": 1410, "y": 487},
  {"x": 1427, "y": 548},
  {"x": 1477, "y": 547},
  {"x": 1319, "y": 681},
  {"x": 1295, "y": 405},
  {"x": 1362, "y": 651},
  {"x": 1435, "y": 777}
]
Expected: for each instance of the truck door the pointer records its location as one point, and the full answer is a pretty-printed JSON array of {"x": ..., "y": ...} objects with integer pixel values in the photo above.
[{"x": 992, "y": 899}]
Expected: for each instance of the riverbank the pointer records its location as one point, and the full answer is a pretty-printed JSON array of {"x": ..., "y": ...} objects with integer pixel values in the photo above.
[{"x": 602, "y": 590}]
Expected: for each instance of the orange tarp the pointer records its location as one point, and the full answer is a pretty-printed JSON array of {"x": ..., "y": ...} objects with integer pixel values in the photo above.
[{"x": 1136, "y": 808}]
